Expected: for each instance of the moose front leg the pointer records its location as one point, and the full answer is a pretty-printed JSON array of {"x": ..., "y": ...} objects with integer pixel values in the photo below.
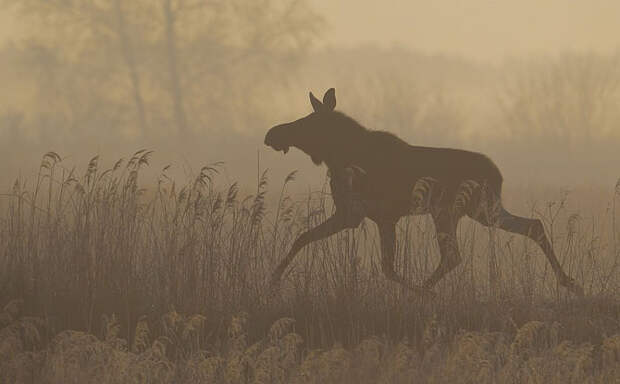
[
  {"x": 346, "y": 184},
  {"x": 349, "y": 214},
  {"x": 333, "y": 225}
]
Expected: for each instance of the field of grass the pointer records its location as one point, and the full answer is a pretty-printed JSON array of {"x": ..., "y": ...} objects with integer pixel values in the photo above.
[{"x": 106, "y": 277}]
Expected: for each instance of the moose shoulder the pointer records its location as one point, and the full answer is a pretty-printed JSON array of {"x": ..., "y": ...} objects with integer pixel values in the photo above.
[{"x": 388, "y": 179}]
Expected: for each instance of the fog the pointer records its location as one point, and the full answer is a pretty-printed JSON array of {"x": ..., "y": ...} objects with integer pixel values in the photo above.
[
  {"x": 533, "y": 85},
  {"x": 477, "y": 29}
]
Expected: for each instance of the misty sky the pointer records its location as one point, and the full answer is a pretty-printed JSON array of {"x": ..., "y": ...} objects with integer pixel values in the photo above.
[{"x": 479, "y": 29}]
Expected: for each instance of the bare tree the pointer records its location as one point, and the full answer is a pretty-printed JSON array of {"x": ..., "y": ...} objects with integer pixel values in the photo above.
[
  {"x": 569, "y": 99},
  {"x": 70, "y": 26},
  {"x": 130, "y": 61},
  {"x": 176, "y": 92}
]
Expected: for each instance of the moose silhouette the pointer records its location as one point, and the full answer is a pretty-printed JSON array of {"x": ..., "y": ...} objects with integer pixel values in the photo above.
[{"x": 377, "y": 175}]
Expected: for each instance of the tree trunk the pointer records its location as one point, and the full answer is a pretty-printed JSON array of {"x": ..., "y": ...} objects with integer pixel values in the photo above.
[
  {"x": 176, "y": 92},
  {"x": 130, "y": 62}
]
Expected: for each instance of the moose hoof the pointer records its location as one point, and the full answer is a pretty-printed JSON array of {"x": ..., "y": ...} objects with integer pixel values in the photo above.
[
  {"x": 428, "y": 293},
  {"x": 424, "y": 291},
  {"x": 572, "y": 286},
  {"x": 421, "y": 294},
  {"x": 274, "y": 286}
]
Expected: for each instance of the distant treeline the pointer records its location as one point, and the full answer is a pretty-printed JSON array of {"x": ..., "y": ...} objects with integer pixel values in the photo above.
[{"x": 205, "y": 80}]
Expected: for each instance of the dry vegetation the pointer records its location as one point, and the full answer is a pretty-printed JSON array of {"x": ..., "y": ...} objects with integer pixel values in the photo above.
[
  {"x": 106, "y": 281},
  {"x": 533, "y": 355}
]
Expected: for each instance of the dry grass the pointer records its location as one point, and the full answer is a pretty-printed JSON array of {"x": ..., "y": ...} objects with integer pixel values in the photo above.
[
  {"x": 105, "y": 272},
  {"x": 535, "y": 354}
]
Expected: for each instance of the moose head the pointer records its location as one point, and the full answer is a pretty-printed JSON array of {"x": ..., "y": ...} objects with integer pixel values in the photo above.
[{"x": 315, "y": 133}]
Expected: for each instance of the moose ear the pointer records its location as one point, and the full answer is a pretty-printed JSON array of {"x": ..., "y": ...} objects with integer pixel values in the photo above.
[
  {"x": 329, "y": 99},
  {"x": 316, "y": 104}
]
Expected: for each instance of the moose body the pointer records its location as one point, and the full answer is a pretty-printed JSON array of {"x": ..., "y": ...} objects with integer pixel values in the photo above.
[
  {"x": 393, "y": 168},
  {"x": 375, "y": 174}
]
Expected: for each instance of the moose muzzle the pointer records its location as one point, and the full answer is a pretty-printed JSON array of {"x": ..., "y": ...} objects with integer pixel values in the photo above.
[{"x": 276, "y": 138}]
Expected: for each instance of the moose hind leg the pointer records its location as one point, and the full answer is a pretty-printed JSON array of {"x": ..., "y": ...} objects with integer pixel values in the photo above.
[{"x": 534, "y": 229}]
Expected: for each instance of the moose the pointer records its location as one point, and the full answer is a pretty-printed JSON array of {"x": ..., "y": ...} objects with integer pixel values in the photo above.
[{"x": 373, "y": 175}]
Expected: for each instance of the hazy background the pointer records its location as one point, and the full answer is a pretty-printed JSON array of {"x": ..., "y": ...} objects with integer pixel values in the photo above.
[
  {"x": 477, "y": 29},
  {"x": 533, "y": 84}
]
